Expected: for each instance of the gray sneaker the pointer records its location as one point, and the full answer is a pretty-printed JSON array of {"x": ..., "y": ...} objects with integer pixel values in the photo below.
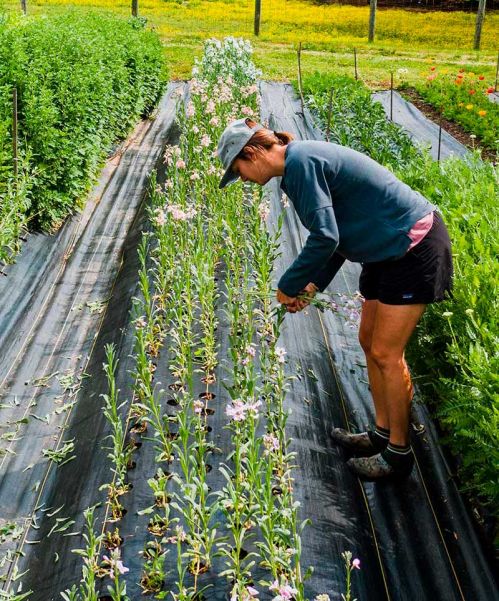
[
  {"x": 376, "y": 468},
  {"x": 360, "y": 444}
]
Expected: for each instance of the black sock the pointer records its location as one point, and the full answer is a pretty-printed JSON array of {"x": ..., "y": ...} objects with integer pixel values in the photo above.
[
  {"x": 398, "y": 456},
  {"x": 379, "y": 437}
]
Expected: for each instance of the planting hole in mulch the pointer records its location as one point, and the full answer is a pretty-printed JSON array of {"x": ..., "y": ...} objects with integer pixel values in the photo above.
[
  {"x": 105, "y": 598},
  {"x": 131, "y": 465},
  {"x": 207, "y": 411},
  {"x": 242, "y": 552},
  {"x": 177, "y": 386},
  {"x": 172, "y": 402},
  {"x": 208, "y": 396},
  {"x": 172, "y": 435},
  {"x": 139, "y": 427},
  {"x": 208, "y": 467},
  {"x": 276, "y": 490}
]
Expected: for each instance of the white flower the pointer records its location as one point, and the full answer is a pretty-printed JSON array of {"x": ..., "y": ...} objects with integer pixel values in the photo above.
[
  {"x": 447, "y": 314},
  {"x": 264, "y": 210},
  {"x": 280, "y": 354},
  {"x": 205, "y": 140}
]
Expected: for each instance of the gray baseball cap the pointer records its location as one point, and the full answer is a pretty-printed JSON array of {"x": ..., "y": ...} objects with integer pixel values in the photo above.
[{"x": 232, "y": 141}]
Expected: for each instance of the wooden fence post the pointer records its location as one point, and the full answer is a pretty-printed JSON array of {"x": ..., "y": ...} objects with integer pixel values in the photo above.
[
  {"x": 480, "y": 15},
  {"x": 258, "y": 12},
  {"x": 372, "y": 19},
  {"x": 135, "y": 8}
]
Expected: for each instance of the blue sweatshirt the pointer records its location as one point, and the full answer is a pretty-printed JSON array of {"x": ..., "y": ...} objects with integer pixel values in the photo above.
[{"x": 354, "y": 208}]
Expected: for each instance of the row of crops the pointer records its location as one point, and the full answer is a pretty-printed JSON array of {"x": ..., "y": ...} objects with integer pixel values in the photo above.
[
  {"x": 206, "y": 268},
  {"x": 82, "y": 82},
  {"x": 455, "y": 351},
  {"x": 465, "y": 97}
]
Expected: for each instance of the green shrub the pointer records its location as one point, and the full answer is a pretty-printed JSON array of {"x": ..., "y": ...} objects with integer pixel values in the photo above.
[{"x": 83, "y": 81}]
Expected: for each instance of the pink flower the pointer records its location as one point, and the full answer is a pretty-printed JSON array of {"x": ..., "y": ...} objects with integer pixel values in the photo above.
[
  {"x": 205, "y": 140},
  {"x": 356, "y": 563},
  {"x": 160, "y": 217},
  {"x": 198, "y": 406},
  {"x": 180, "y": 164},
  {"x": 190, "y": 110},
  {"x": 271, "y": 443},
  {"x": 214, "y": 121},
  {"x": 237, "y": 411},
  {"x": 246, "y": 110}
]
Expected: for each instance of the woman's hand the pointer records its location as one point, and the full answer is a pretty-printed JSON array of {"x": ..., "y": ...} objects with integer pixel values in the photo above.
[
  {"x": 289, "y": 301},
  {"x": 307, "y": 294}
]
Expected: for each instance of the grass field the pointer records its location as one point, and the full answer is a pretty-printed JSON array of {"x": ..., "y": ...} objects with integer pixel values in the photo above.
[{"x": 404, "y": 39}]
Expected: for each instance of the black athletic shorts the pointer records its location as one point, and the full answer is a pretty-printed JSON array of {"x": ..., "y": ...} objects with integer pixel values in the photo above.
[{"x": 422, "y": 275}]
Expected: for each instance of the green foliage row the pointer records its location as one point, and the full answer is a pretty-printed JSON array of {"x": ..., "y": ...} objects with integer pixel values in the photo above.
[
  {"x": 456, "y": 349},
  {"x": 83, "y": 80}
]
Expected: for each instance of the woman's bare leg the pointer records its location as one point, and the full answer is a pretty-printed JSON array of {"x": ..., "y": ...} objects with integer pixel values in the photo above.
[
  {"x": 367, "y": 322},
  {"x": 393, "y": 327}
]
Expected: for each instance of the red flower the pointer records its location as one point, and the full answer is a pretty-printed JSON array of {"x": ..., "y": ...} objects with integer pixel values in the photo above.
[
  {"x": 472, "y": 92},
  {"x": 490, "y": 90},
  {"x": 433, "y": 68},
  {"x": 458, "y": 82},
  {"x": 481, "y": 77}
]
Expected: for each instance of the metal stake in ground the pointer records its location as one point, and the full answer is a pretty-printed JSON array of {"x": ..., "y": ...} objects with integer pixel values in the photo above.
[
  {"x": 497, "y": 72},
  {"x": 135, "y": 8},
  {"x": 329, "y": 109},
  {"x": 258, "y": 10},
  {"x": 14, "y": 135},
  {"x": 391, "y": 95},
  {"x": 439, "y": 141},
  {"x": 355, "y": 62},
  {"x": 299, "y": 81},
  {"x": 24, "y": 8}
]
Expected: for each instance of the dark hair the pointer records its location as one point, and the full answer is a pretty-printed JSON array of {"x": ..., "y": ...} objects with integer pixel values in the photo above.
[{"x": 263, "y": 139}]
